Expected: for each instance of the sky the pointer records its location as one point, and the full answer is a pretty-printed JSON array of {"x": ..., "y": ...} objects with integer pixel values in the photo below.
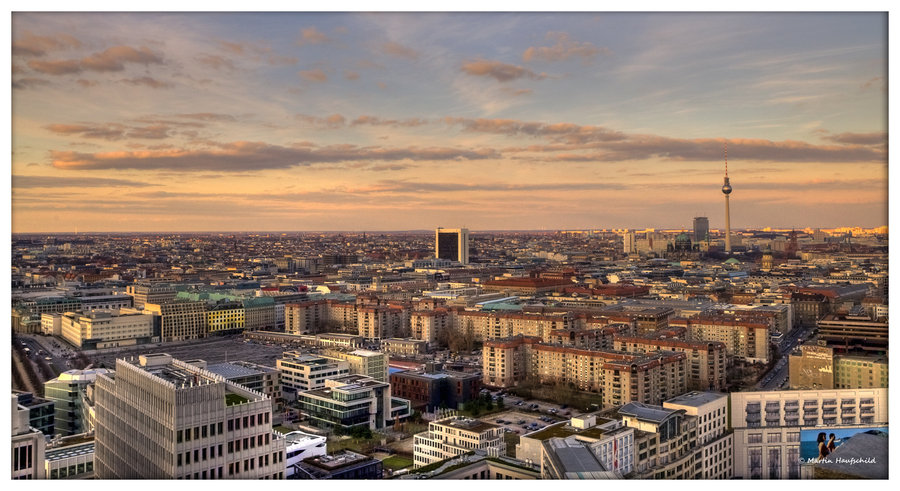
[{"x": 491, "y": 121}]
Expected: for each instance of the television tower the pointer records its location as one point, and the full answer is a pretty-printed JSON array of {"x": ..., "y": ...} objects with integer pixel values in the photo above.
[{"x": 726, "y": 190}]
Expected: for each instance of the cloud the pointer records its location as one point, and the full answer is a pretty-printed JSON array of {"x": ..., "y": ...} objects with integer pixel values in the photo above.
[
  {"x": 566, "y": 132},
  {"x": 249, "y": 156},
  {"x": 564, "y": 49},
  {"x": 87, "y": 83},
  {"x": 399, "y": 51},
  {"x": 27, "y": 182},
  {"x": 515, "y": 92},
  {"x": 396, "y": 123},
  {"x": 29, "y": 83},
  {"x": 351, "y": 75},
  {"x": 314, "y": 75},
  {"x": 503, "y": 72},
  {"x": 31, "y": 45},
  {"x": 215, "y": 62},
  {"x": 148, "y": 82},
  {"x": 110, "y": 131},
  {"x": 113, "y": 59},
  {"x": 332, "y": 121},
  {"x": 875, "y": 138},
  {"x": 257, "y": 52},
  {"x": 311, "y": 35}
]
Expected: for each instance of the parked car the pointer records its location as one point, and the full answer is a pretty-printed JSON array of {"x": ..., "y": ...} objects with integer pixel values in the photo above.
[{"x": 521, "y": 422}]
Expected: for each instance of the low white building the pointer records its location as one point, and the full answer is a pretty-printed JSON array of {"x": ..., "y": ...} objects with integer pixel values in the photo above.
[
  {"x": 299, "y": 446},
  {"x": 106, "y": 329}
]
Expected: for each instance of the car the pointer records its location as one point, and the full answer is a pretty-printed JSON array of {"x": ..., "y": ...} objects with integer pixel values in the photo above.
[
  {"x": 524, "y": 427},
  {"x": 567, "y": 413},
  {"x": 48, "y": 358},
  {"x": 521, "y": 422},
  {"x": 500, "y": 421},
  {"x": 564, "y": 406}
]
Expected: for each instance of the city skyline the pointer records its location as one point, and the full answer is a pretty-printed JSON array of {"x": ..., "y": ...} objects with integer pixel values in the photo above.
[{"x": 272, "y": 122}]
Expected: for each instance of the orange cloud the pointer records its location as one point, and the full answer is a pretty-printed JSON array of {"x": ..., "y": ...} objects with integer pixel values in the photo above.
[
  {"x": 503, "y": 72},
  {"x": 248, "y": 156},
  {"x": 314, "y": 75},
  {"x": 876, "y": 138},
  {"x": 351, "y": 75},
  {"x": 31, "y": 45},
  {"x": 148, "y": 82},
  {"x": 311, "y": 35},
  {"x": 564, "y": 49},
  {"x": 400, "y": 51},
  {"x": 111, "y": 60}
]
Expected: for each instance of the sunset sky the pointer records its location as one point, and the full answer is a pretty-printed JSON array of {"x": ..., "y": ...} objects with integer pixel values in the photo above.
[{"x": 320, "y": 121}]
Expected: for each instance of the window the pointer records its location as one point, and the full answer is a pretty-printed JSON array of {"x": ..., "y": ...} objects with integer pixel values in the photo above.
[
  {"x": 774, "y": 462},
  {"x": 754, "y": 438},
  {"x": 180, "y": 436},
  {"x": 793, "y": 456},
  {"x": 755, "y": 462},
  {"x": 220, "y": 428},
  {"x": 204, "y": 435},
  {"x": 774, "y": 438},
  {"x": 230, "y": 425},
  {"x": 196, "y": 433}
]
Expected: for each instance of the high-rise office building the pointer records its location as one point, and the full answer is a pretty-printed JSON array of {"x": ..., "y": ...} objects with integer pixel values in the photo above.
[
  {"x": 452, "y": 244},
  {"x": 701, "y": 229},
  {"x": 161, "y": 418}
]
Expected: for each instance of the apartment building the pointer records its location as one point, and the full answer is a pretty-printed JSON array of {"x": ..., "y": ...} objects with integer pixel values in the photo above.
[
  {"x": 817, "y": 366},
  {"x": 428, "y": 324},
  {"x": 770, "y": 427},
  {"x": 404, "y": 347},
  {"x": 666, "y": 440},
  {"x": 161, "y": 418},
  {"x": 746, "y": 339},
  {"x": 506, "y": 362},
  {"x": 107, "y": 329},
  {"x": 499, "y": 325},
  {"x": 180, "y": 321},
  {"x": 706, "y": 359},
  {"x": 453, "y": 436},
  {"x": 383, "y": 321}
]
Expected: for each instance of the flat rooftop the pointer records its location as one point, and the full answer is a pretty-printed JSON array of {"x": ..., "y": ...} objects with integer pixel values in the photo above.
[
  {"x": 695, "y": 398},
  {"x": 236, "y": 369},
  {"x": 656, "y": 414},
  {"x": 69, "y": 451},
  {"x": 468, "y": 424},
  {"x": 563, "y": 430}
]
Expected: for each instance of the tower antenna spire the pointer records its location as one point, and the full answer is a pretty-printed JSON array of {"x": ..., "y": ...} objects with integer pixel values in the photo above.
[{"x": 726, "y": 158}]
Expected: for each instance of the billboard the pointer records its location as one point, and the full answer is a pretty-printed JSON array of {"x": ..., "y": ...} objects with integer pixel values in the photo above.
[{"x": 846, "y": 450}]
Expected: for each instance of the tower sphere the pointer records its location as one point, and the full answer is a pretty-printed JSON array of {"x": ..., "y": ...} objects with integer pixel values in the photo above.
[{"x": 726, "y": 188}]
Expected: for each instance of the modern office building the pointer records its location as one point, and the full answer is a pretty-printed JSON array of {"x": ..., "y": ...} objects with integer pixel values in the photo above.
[
  {"x": 348, "y": 401},
  {"x": 70, "y": 460},
  {"x": 161, "y": 418},
  {"x": 372, "y": 364},
  {"x": 453, "y": 436},
  {"x": 452, "y": 244},
  {"x": 701, "y": 229},
  {"x": 610, "y": 442},
  {"x": 65, "y": 391},
  {"x": 771, "y": 427},
  {"x": 154, "y": 293},
  {"x": 41, "y": 412},
  {"x": 255, "y": 377},
  {"x": 339, "y": 465},
  {"x": 431, "y": 388},
  {"x": 101, "y": 329},
  {"x": 27, "y": 444},
  {"x": 300, "y": 446},
  {"x": 301, "y": 371}
]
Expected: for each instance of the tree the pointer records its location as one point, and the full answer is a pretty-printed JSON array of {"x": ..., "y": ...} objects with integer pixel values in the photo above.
[{"x": 500, "y": 403}]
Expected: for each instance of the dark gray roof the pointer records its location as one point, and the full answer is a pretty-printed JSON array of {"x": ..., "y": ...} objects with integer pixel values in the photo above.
[
  {"x": 645, "y": 412},
  {"x": 578, "y": 459}
]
